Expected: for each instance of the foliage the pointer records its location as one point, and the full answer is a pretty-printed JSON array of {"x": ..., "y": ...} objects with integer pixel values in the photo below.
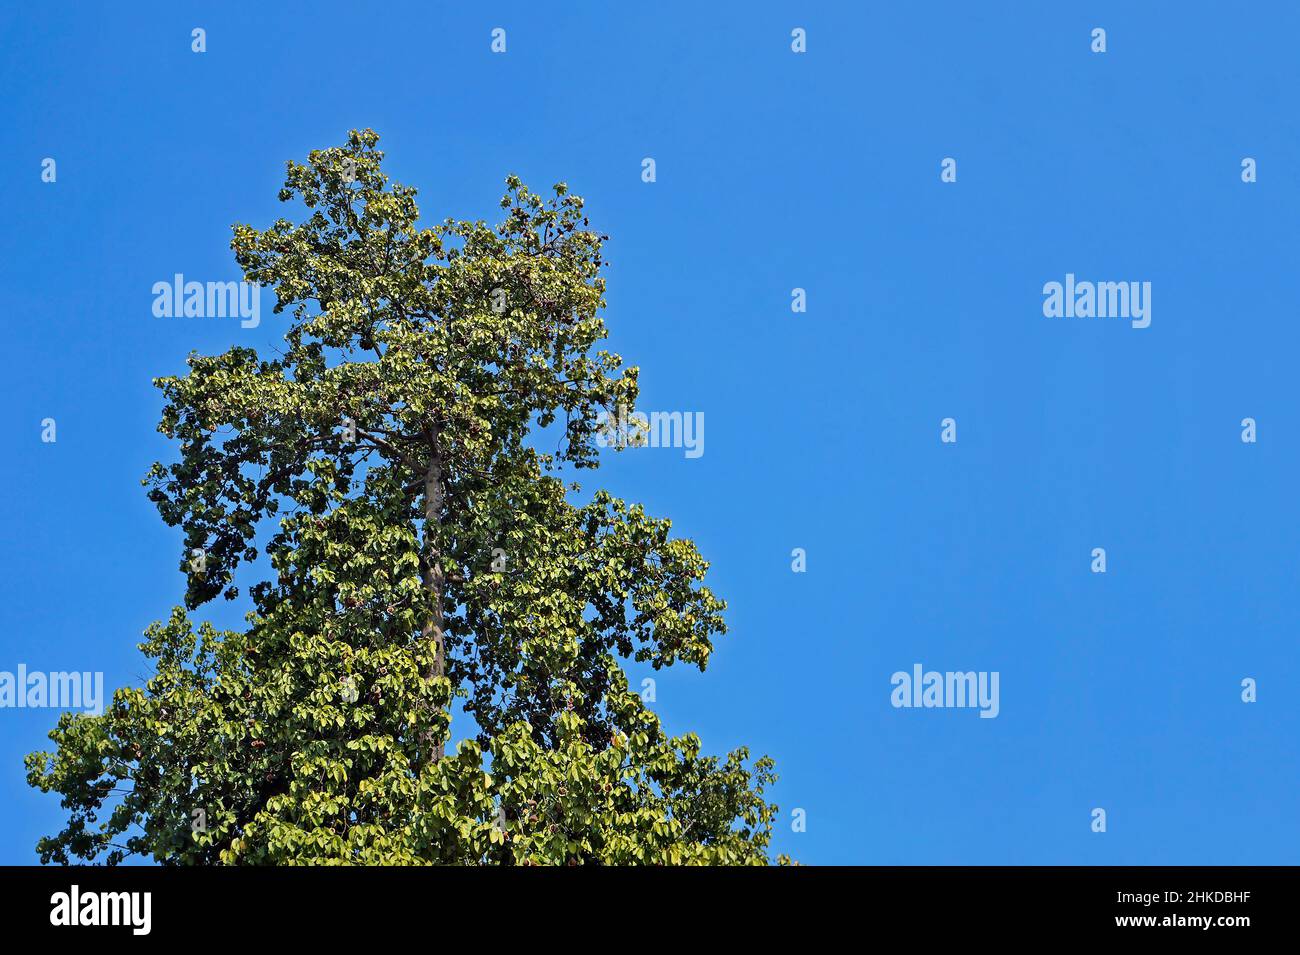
[{"x": 423, "y": 552}]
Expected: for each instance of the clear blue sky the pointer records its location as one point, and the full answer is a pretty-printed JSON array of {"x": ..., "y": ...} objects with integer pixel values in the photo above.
[{"x": 775, "y": 171}]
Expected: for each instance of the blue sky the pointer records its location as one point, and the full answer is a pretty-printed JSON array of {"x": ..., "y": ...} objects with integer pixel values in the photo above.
[{"x": 775, "y": 170}]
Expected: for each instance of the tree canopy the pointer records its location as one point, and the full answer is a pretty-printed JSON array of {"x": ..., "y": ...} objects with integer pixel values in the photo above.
[{"x": 425, "y": 558}]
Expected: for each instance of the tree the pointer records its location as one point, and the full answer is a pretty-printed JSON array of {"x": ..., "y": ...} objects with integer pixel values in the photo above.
[{"x": 425, "y": 557}]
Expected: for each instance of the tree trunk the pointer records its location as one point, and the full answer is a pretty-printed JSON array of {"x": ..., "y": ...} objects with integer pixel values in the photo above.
[{"x": 432, "y": 575}]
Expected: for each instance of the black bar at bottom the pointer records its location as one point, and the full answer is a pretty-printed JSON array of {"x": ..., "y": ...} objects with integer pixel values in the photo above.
[{"x": 340, "y": 905}]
